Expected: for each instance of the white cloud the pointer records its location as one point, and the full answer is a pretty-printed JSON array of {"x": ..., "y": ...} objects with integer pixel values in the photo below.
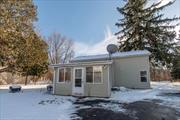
[{"x": 98, "y": 48}]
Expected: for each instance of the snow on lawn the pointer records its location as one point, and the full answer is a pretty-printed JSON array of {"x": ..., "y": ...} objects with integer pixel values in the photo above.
[
  {"x": 35, "y": 104},
  {"x": 25, "y": 86},
  {"x": 159, "y": 91}
]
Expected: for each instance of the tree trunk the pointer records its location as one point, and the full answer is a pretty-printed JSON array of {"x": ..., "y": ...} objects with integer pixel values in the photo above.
[{"x": 26, "y": 80}]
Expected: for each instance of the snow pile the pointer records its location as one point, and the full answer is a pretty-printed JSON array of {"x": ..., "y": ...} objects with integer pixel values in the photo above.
[{"x": 35, "y": 104}]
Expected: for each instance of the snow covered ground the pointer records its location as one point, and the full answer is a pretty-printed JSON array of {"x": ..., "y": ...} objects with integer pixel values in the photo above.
[
  {"x": 35, "y": 104},
  {"x": 167, "y": 92},
  {"x": 158, "y": 88},
  {"x": 6, "y": 87}
]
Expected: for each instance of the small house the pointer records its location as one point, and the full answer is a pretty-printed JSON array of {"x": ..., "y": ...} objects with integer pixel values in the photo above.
[{"x": 95, "y": 75}]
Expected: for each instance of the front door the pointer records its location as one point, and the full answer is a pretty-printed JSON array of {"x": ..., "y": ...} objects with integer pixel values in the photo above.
[{"x": 78, "y": 86}]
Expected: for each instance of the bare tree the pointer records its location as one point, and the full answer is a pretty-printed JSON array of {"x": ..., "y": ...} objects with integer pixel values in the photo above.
[{"x": 60, "y": 49}]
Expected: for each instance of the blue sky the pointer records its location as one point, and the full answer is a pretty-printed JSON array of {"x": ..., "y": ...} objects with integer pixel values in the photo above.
[
  {"x": 84, "y": 21},
  {"x": 81, "y": 20}
]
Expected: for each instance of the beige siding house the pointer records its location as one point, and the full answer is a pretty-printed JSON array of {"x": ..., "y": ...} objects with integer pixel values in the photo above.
[{"x": 95, "y": 75}]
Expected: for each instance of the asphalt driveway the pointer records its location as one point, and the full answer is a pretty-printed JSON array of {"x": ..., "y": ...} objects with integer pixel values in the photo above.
[{"x": 140, "y": 110}]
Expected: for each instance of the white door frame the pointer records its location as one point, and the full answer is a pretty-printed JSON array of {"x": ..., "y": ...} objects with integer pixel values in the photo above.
[{"x": 78, "y": 91}]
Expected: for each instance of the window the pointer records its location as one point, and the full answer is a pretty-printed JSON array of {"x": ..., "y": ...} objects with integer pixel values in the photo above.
[
  {"x": 143, "y": 75},
  {"x": 89, "y": 74},
  {"x": 78, "y": 73},
  {"x": 67, "y": 74},
  {"x": 64, "y": 74},
  {"x": 97, "y": 74},
  {"x": 61, "y": 75},
  {"x": 94, "y": 74}
]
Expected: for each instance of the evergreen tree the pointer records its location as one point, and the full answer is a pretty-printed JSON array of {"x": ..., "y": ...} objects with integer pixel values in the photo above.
[
  {"x": 32, "y": 58},
  {"x": 144, "y": 27},
  {"x": 16, "y": 26},
  {"x": 176, "y": 67},
  {"x": 21, "y": 49},
  {"x": 176, "y": 63}
]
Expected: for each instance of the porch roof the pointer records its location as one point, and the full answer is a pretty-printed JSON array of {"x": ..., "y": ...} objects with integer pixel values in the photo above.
[{"x": 91, "y": 63}]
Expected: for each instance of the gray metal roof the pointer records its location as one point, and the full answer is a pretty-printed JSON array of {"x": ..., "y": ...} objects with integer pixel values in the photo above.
[{"x": 115, "y": 55}]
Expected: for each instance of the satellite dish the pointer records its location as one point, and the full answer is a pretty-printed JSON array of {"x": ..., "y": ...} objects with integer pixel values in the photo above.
[{"x": 112, "y": 48}]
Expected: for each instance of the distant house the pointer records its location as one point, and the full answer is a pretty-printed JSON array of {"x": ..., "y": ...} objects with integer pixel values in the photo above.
[{"x": 95, "y": 75}]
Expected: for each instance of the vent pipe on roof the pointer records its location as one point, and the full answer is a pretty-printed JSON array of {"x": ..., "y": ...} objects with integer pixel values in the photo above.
[{"x": 111, "y": 48}]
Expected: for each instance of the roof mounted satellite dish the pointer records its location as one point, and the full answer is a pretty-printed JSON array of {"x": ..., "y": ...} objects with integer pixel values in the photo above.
[{"x": 111, "y": 48}]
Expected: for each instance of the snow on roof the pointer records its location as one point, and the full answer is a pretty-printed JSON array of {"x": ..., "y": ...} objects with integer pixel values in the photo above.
[
  {"x": 84, "y": 63},
  {"x": 115, "y": 55}
]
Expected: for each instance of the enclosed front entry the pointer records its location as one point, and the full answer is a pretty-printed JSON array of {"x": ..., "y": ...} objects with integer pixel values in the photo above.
[{"x": 78, "y": 81}]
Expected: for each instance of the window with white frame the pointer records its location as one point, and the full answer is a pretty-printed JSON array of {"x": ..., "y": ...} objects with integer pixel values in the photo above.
[
  {"x": 89, "y": 74},
  {"x": 64, "y": 74},
  {"x": 94, "y": 74},
  {"x": 97, "y": 70},
  {"x": 61, "y": 75},
  {"x": 143, "y": 76}
]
